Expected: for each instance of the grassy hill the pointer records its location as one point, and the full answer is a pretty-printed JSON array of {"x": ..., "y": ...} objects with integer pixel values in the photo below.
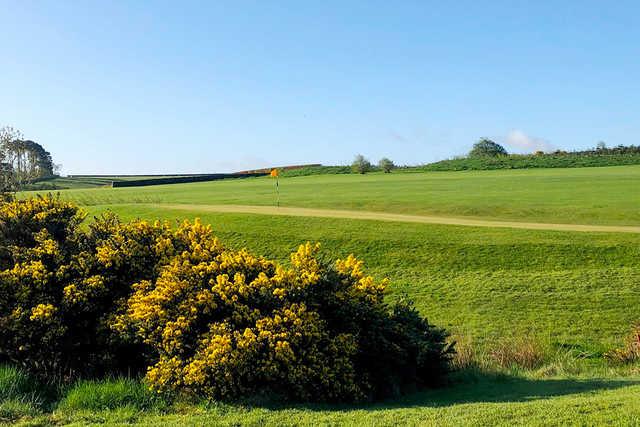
[{"x": 571, "y": 295}]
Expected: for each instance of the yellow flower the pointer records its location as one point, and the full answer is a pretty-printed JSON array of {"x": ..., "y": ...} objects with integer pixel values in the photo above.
[{"x": 42, "y": 312}]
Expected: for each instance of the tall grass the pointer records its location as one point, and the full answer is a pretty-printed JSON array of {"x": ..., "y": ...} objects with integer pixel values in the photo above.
[
  {"x": 533, "y": 357},
  {"x": 112, "y": 393},
  {"x": 23, "y": 395}
]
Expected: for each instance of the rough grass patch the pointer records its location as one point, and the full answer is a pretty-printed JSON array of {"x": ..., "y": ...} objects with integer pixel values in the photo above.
[
  {"x": 522, "y": 352},
  {"x": 13, "y": 409},
  {"x": 466, "y": 355},
  {"x": 96, "y": 395},
  {"x": 630, "y": 352}
]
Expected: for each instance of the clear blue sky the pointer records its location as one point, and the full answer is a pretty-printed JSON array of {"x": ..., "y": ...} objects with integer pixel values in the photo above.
[{"x": 159, "y": 87}]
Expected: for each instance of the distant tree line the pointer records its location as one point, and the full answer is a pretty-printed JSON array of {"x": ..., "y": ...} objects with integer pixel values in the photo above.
[
  {"x": 21, "y": 161},
  {"x": 488, "y": 148},
  {"x": 487, "y": 154},
  {"x": 602, "y": 149}
]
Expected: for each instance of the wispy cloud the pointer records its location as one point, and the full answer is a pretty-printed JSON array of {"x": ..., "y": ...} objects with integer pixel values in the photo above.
[{"x": 522, "y": 142}]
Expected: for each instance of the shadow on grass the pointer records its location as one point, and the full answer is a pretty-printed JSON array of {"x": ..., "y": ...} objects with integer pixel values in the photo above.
[{"x": 475, "y": 388}]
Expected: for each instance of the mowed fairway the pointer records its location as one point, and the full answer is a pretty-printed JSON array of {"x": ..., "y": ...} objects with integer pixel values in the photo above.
[{"x": 608, "y": 195}]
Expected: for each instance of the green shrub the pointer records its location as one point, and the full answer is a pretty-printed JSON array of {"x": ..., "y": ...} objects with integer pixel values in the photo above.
[
  {"x": 60, "y": 285},
  {"x": 226, "y": 324}
]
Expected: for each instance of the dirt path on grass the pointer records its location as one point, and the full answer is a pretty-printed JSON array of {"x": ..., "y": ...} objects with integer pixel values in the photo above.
[{"x": 384, "y": 216}]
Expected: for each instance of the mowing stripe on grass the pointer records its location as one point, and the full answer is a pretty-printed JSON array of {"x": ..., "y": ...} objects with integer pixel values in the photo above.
[{"x": 382, "y": 216}]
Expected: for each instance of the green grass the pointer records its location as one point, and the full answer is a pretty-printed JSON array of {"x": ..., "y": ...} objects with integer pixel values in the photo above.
[
  {"x": 473, "y": 400},
  {"x": 21, "y": 395},
  {"x": 97, "y": 395},
  {"x": 576, "y": 293},
  {"x": 578, "y": 196},
  {"x": 571, "y": 288}
]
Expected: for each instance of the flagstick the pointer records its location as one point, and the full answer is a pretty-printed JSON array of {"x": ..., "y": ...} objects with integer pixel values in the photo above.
[{"x": 277, "y": 191}]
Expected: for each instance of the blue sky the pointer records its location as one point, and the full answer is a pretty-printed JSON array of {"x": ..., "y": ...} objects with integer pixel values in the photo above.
[{"x": 168, "y": 87}]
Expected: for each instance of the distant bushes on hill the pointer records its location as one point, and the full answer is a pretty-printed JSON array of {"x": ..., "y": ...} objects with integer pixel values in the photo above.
[
  {"x": 317, "y": 170},
  {"x": 600, "y": 156}
]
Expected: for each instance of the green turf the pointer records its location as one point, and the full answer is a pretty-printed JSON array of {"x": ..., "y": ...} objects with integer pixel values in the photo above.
[
  {"x": 571, "y": 288},
  {"x": 607, "y": 195},
  {"x": 481, "y": 400},
  {"x": 576, "y": 292}
]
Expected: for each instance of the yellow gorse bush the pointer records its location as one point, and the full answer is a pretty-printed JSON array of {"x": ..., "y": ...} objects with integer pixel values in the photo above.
[
  {"x": 200, "y": 318},
  {"x": 233, "y": 316}
]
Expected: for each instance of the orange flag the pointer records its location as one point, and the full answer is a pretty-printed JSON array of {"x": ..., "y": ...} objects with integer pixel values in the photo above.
[{"x": 274, "y": 173}]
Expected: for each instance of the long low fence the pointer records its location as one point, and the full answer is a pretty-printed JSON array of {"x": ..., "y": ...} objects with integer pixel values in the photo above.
[{"x": 182, "y": 179}]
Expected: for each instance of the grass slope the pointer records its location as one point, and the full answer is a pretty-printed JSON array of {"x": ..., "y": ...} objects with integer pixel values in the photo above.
[
  {"x": 579, "y": 196},
  {"x": 572, "y": 288}
]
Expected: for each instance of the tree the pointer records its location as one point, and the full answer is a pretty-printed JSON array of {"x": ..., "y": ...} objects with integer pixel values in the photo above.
[
  {"x": 386, "y": 165},
  {"x": 487, "y": 148},
  {"x": 9, "y": 138},
  {"x": 21, "y": 161},
  {"x": 361, "y": 164}
]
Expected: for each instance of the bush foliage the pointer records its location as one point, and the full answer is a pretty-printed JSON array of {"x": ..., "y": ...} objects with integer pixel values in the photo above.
[
  {"x": 361, "y": 164},
  {"x": 487, "y": 148},
  {"x": 201, "y": 318},
  {"x": 600, "y": 156}
]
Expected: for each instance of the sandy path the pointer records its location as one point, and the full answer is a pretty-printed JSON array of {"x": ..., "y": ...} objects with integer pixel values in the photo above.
[{"x": 383, "y": 216}]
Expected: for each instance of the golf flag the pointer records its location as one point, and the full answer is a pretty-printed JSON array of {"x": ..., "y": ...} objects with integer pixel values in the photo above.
[{"x": 274, "y": 174}]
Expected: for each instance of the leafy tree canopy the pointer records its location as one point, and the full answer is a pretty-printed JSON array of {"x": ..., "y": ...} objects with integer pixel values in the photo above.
[{"x": 487, "y": 148}]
